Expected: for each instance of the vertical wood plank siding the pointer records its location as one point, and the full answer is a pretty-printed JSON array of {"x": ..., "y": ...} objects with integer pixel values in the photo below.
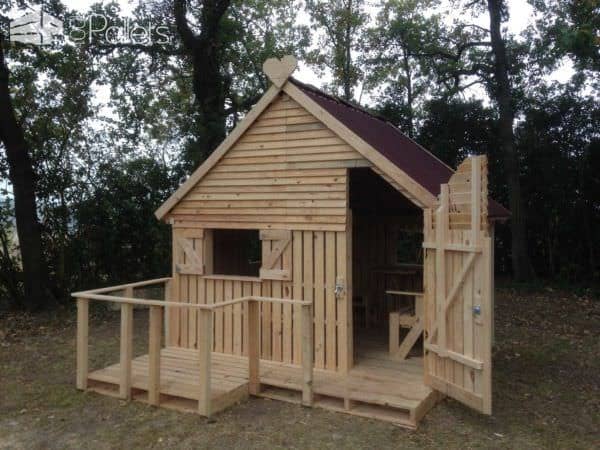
[{"x": 314, "y": 254}]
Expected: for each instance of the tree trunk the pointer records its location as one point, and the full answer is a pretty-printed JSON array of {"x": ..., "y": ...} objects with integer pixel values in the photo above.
[
  {"x": 348, "y": 55},
  {"x": 521, "y": 263},
  {"x": 409, "y": 94},
  {"x": 22, "y": 178},
  {"x": 209, "y": 84},
  {"x": 586, "y": 208},
  {"x": 9, "y": 273}
]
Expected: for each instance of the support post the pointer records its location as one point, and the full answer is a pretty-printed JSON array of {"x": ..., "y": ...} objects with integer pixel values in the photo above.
[
  {"x": 82, "y": 342},
  {"x": 394, "y": 337},
  {"x": 441, "y": 232},
  {"x": 205, "y": 345},
  {"x": 154, "y": 345},
  {"x": 307, "y": 356},
  {"x": 166, "y": 311},
  {"x": 126, "y": 349},
  {"x": 253, "y": 348}
]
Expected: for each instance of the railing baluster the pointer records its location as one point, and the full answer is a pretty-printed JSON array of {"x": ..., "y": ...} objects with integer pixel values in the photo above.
[
  {"x": 307, "y": 355},
  {"x": 126, "y": 347},
  {"x": 205, "y": 344},
  {"x": 253, "y": 348},
  {"x": 82, "y": 342},
  {"x": 204, "y": 353},
  {"x": 154, "y": 346}
]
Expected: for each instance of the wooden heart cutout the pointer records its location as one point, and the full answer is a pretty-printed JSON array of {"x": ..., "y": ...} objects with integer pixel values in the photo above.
[{"x": 278, "y": 70}]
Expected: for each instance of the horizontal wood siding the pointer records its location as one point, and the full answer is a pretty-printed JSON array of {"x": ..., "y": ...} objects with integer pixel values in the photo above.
[{"x": 286, "y": 171}]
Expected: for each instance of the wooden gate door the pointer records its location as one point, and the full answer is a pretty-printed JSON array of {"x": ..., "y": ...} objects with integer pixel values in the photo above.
[{"x": 458, "y": 280}]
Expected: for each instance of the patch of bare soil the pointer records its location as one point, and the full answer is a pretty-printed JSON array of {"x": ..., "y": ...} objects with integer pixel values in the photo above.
[{"x": 546, "y": 392}]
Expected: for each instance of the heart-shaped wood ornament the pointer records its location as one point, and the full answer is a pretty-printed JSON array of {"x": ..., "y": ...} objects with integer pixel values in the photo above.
[{"x": 278, "y": 70}]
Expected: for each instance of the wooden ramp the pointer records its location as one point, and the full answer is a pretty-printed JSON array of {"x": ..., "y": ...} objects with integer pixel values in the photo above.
[{"x": 390, "y": 391}]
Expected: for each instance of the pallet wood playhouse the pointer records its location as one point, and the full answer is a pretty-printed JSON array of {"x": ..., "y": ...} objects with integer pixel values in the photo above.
[{"x": 319, "y": 257}]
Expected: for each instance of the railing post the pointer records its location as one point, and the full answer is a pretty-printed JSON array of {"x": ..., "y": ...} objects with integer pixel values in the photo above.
[
  {"x": 307, "y": 355},
  {"x": 82, "y": 342},
  {"x": 166, "y": 311},
  {"x": 253, "y": 348},
  {"x": 205, "y": 345},
  {"x": 126, "y": 346},
  {"x": 154, "y": 345}
]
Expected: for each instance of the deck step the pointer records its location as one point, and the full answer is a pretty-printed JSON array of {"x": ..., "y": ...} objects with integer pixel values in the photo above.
[
  {"x": 395, "y": 415},
  {"x": 103, "y": 388},
  {"x": 399, "y": 416},
  {"x": 392, "y": 393},
  {"x": 281, "y": 394}
]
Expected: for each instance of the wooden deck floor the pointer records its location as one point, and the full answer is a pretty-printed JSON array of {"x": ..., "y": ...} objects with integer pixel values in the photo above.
[{"x": 375, "y": 387}]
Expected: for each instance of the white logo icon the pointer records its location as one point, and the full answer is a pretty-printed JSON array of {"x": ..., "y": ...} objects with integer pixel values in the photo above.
[{"x": 37, "y": 28}]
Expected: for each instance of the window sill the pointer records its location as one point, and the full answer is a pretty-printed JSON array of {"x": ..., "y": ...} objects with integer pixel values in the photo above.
[{"x": 231, "y": 277}]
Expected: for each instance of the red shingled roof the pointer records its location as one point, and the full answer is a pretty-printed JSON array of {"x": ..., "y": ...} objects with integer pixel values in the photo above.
[{"x": 413, "y": 159}]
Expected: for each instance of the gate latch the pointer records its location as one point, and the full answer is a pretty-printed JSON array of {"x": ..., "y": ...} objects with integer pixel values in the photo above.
[
  {"x": 339, "y": 287},
  {"x": 477, "y": 310}
]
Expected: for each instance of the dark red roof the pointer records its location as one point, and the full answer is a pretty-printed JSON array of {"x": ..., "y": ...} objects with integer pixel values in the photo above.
[{"x": 413, "y": 159}]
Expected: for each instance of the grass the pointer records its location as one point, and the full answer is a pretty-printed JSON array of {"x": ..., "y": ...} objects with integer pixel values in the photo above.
[{"x": 546, "y": 391}]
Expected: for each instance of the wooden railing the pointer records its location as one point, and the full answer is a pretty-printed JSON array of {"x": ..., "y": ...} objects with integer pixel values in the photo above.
[{"x": 205, "y": 343}]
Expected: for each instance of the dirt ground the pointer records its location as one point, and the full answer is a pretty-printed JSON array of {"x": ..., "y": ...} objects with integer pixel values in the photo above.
[{"x": 546, "y": 392}]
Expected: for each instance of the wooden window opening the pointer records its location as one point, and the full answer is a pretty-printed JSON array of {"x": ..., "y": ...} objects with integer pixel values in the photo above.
[{"x": 236, "y": 252}]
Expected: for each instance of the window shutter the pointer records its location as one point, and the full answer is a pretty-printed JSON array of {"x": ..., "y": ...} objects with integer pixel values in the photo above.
[
  {"x": 275, "y": 266},
  {"x": 188, "y": 251}
]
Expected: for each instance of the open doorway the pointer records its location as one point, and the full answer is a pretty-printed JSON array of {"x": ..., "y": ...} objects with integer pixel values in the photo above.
[{"x": 387, "y": 264}]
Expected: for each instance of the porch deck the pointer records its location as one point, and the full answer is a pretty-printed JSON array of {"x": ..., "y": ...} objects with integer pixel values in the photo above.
[{"x": 375, "y": 388}]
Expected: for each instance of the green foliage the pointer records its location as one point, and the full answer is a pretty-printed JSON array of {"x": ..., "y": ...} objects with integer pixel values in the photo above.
[
  {"x": 560, "y": 145},
  {"x": 570, "y": 27},
  {"x": 116, "y": 238},
  {"x": 339, "y": 25},
  {"x": 455, "y": 129},
  {"x": 260, "y": 30},
  {"x": 84, "y": 168},
  {"x": 151, "y": 88},
  {"x": 398, "y": 58}
]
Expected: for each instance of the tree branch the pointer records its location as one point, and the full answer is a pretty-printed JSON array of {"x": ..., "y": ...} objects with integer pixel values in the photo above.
[
  {"x": 472, "y": 25},
  {"x": 105, "y": 49}
]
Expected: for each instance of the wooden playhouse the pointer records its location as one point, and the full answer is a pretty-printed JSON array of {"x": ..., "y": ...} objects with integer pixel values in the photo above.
[{"x": 321, "y": 257}]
